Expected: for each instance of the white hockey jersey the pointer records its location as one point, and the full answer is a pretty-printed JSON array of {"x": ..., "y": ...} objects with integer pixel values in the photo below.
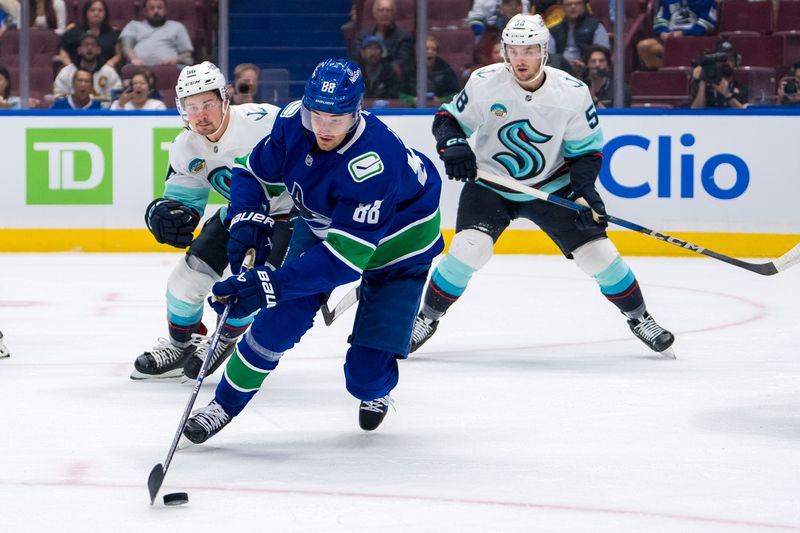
[
  {"x": 527, "y": 135},
  {"x": 196, "y": 165}
]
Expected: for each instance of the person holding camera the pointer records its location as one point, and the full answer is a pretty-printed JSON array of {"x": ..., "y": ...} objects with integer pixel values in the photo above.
[
  {"x": 600, "y": 79},
  {"x": 136, "y": 95},
  {"x": 713, "y": 83},
  {"x": 245, "y": 84},
  {"x": 788, "y": 87}
]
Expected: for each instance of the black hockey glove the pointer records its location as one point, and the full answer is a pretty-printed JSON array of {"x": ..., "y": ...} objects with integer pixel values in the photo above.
[
  {"x": 596, "y": 215},
  {"x": 459, "y": 159},
  {"x": 171, "y": 222},
  {"x": 250, "y": 229}
]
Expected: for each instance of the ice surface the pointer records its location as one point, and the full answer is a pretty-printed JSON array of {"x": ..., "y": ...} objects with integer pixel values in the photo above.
[{"x": 532, "y": 409}]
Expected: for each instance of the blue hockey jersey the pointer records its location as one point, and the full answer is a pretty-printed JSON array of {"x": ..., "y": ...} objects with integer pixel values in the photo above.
[{"x": 373, "y": 202}]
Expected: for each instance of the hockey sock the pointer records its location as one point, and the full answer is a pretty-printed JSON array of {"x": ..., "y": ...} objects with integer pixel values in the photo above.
[
  {"x": 181, "y": 334},
  {"x": 244, "y": 374},
  {"x": 620, "y": 287},
  {"x": 448, "y": 282}
]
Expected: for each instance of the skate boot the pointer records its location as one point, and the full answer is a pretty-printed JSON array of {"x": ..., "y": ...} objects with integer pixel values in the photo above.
[
  {"x": 224, "y": 349},
  {"x": 372, "y": 413},
  {"x": 424, "y": 328},
  {"x": 3, "y": 350},
  {"x": 206, "y": 422},
  {"x": 654, "y": 336},
  {"x": 165, "y": 360}
]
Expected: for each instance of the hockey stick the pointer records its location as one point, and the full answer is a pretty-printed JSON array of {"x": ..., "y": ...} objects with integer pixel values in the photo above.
[
  {"x": 159, "y": 471},
  {"x": 347, "y": 301},
  {"x": 787, "y": 260}
]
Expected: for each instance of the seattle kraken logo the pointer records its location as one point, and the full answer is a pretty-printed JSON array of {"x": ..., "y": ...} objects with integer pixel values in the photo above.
[
  {"x": 525, "y": 161},
  {"x": 314, "y": 220},
  {"x": 220, "y": 179}
]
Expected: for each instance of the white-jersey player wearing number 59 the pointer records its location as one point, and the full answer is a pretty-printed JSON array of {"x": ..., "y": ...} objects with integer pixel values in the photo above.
[{"x": 537, "y": 125}]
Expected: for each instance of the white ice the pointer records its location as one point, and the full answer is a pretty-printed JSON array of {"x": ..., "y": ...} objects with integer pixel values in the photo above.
[{"x": 532, "y": 409}]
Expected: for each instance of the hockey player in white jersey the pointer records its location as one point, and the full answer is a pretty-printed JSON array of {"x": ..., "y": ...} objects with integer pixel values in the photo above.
[
  {"x": 537, "y": 125},
  {"x": 201, "y": 158}
]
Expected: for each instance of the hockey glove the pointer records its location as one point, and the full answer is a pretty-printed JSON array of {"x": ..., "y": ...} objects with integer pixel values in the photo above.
[
  {"x": 459, "y": 159},
  {"x": 171, "y": 222},
  {"x": 595, "y": 215},
  {"x": 250, "y": 229},
  {"x": 248, "y": 292}
]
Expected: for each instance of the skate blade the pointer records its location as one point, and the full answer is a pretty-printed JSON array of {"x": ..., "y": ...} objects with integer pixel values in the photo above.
[
  {"x": 138, "y": 376},
  {"x": 184, "y": 443},
  {"x": 669, "y": 353}
]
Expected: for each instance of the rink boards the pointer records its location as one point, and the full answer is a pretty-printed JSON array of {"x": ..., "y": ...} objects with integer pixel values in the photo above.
[{"x": 728, "y": 181}]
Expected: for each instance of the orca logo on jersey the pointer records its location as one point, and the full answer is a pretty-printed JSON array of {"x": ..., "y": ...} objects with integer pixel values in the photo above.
[
  {"x": 314, "y": 220},
  {"x": 526, "y": 161},
  {"x": 220, "y": 180}
]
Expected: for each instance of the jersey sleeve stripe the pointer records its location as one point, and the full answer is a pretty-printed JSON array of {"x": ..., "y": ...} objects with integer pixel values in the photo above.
[
  {"x": 194, "y": 197},
  {"x": 592, "y": 143}
]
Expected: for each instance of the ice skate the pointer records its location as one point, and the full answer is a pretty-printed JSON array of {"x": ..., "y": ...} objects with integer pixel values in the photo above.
[
  {"x": 224, "y": 349},
  {"x": 165, "y": 360},
  {"x": 654, "y": 336},
  {"x": 424, "y": 328},
  {"x": 206, "y": 422},
  {"x": 372, "y": 413},
  {"x": 3, "y": 350}
]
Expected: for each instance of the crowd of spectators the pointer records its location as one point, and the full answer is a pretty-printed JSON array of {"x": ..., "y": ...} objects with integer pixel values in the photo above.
[{"x": 580, "y": 44}]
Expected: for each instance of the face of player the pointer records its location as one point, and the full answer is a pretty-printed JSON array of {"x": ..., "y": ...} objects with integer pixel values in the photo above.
[
  {"x": 329, "y": 129},
  {"x": 525, "y": 61},
  {"x": 204, "y": 112}
]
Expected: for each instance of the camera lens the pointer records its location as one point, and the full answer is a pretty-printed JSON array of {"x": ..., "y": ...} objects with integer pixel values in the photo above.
[
  {"x": 790, "y": 87},
  {"x": 243, "y": 88}
]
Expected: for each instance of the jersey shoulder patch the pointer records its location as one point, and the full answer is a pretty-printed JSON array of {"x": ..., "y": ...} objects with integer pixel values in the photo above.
[
  {"x": 291, "y": 109},
  {"x": 365, "y": 166}
]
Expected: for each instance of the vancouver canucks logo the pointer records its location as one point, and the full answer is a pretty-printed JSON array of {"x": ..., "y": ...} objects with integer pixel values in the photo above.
[
  {"x": 220, "y": 179},
  {"x": 525, "y": 160},
  {"x": 314, "y": 220}
]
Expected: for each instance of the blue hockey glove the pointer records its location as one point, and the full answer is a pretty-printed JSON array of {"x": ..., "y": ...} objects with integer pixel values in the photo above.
[
  {"x": 248, "y": 292},
  {"x": 250, "y": 229},
  {"x": 171, "y": 222},
  {"x": 459, "y": 159},
  {"x": 595, "y": 215}
]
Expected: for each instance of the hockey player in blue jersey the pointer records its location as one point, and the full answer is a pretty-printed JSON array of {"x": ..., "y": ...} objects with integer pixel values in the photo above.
[{"x": 371, "y": 210}]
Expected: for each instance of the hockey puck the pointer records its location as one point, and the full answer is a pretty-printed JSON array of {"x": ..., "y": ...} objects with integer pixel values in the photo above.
[{"x": 176, "y": 498}]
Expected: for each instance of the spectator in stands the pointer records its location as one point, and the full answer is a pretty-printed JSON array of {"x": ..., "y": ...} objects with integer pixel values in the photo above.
[
  {"x": 788, "y": 93},
  {"x": 6, "y": 100},
  {"x": 380, "y": 79},
  {"x": 81, "y": 97},
  {"x": 9, "y": 11},
  {"x": 600, "y": 78},
  {"x": 156, "y": 40},
  {"x": 245, "y": 84},
  {"x": 442, "y": 80},
  {"x": 673, "y": 20},
  {"x": 50, "y": 14},
  {"x": 488, "y": 32},
  {"x": 398, "y": 44},
  {"x": 137, "y": 94},
  {"x": 104, "y": 76},
  {"x": 574, "y": 35},
  {"x": 94, "y": 19},
  {"x": 713, "y": 84}
]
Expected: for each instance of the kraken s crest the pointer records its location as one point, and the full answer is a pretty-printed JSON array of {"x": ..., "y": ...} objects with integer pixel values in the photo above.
[
  {"x": 220, "y": 180},
  {"x": 525, "y": 160}
]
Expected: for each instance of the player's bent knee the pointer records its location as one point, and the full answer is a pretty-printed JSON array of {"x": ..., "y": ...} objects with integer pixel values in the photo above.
[
  {"x": 191, "y": 279},
  {"x": 472, "y": 247},
  {"x": 595, "y": 256}
]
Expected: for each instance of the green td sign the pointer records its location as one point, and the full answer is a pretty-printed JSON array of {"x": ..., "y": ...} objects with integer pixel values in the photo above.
[{"x": 68, "y": 166}]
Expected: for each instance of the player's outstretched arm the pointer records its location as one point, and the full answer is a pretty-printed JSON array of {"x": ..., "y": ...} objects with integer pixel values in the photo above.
[{"x": 453, "y": 149}]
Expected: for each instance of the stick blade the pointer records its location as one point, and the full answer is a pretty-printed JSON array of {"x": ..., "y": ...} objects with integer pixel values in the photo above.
[
  {"x": 154, "y": 481},
  {"x": 788, "y": 260}
]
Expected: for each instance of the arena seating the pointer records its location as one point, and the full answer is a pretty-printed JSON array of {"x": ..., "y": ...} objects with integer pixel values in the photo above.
[
  {"x": 787, "y": 19},
  {"x": 743, "y": 17},
  {"x": 661, "y": 88}
]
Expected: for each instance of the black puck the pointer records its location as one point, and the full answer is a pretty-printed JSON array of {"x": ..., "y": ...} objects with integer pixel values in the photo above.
[{"x": 176, "y": 498}]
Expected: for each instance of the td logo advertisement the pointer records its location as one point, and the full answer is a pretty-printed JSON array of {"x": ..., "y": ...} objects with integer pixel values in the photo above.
[{"x": 68, "y": 166}]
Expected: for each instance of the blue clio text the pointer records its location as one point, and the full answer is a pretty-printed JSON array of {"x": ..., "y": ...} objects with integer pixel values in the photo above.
[{"x": 687, "y": 170}]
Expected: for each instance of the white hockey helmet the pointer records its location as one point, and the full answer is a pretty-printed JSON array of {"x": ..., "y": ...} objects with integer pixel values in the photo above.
[
  {"x": 525, "y": 30},
  {"x": 196, "y": 79}
]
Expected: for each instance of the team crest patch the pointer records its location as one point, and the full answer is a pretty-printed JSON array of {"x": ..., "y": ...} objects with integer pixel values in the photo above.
[
  {"x": 197, "y": 165},
  {"x": 365, "y": 166},
  {"x": 499, "y": 110},
  {"x": 309, "y": 160}
]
